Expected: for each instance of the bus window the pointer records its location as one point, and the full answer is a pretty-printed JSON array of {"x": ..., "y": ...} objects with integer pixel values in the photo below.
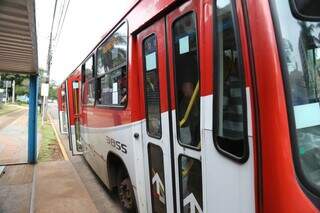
[
  {"x": 88, "y": 82},
  {"x": 152, "y": 92},
  {"x": 300, "y": 46},
  {"x": 187, "y": 80},
  {"x": 191, "y": 181},
  {"x": 229, "y": 101},
  {"x": 112, "y": 70}
]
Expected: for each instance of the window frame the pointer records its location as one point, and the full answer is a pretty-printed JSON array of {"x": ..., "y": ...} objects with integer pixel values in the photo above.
[
  {"x": 113, "y": 106},
  {"x": 144, "y": 80},
  {"x": 307, "y": 187},
  {"x": 192, "y": 11},
  {"x": 216, "y": 74},
  {"x": 296, "y": 13},
  {"x": 84, "y": 80}
]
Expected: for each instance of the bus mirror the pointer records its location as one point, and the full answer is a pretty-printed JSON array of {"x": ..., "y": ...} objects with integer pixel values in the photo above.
[{"x": 306, "y": 10}]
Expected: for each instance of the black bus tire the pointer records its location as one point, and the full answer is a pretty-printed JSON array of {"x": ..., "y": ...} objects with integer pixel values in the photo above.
[{"x": 126, "y": 193}]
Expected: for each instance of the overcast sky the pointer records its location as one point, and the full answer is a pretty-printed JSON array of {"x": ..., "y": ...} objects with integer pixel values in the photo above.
[{"x": 85, "y": 24}]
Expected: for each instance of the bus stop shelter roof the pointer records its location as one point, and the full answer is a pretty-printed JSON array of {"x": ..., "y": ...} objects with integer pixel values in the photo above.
[{"x": 18, "y": 39}]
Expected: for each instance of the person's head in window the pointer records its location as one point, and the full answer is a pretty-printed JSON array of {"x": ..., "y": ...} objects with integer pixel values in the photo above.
[
  {"x": 124, "y": 96},
  {"x": 228, "y": 66},
  {"x": 187, "y": 89}
]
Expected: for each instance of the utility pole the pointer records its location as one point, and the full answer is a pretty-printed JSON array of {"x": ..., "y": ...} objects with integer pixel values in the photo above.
[
  {"x": 13, "y": 90},
  {"x": 6, "y": 82},
  {"x": 45, "y": 98}
]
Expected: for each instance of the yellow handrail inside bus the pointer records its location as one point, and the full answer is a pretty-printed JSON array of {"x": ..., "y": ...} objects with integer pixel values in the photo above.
[
  {"x": 188, "y": 167},
  {"x": 190, "y": 105}
]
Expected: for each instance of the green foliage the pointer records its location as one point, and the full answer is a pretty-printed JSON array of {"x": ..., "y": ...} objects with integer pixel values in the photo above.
[
  {"x": 52, "y": 92},
  {"x": 22, "y": 90},
  {"x": 10, "y": 77}
]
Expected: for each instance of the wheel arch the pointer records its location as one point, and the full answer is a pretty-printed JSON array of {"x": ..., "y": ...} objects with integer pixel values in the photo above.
[{"x": 114, "y": 165}]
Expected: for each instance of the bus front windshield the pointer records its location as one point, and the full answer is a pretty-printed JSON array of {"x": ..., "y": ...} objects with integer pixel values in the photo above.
[{"x": 299, "y": 42}]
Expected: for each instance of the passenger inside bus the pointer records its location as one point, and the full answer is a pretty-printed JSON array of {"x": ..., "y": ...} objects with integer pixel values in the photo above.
[{"x": 189, "y": 133}]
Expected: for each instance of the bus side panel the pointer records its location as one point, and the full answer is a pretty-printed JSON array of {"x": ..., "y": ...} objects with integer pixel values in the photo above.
[{"x": 281, "y": 190}]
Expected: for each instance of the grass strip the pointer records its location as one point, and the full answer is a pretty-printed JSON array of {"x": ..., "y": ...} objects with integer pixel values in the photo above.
[
  {"x": 48, "y": 142},
  {"x": 7, "y": 108}
]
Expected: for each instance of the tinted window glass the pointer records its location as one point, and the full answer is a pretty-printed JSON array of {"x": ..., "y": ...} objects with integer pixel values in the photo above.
[
  {"x": 157, "y": 178},
  {"x": 112, "y": 69},
  {"x": 229, "y": 101},
  {"x": 187, "y": 80},
  {"x": 307, "y": 8},
  {"x": 300, "y": 46},
  {"x": 191, "y": 184},
  {"x": 88, "y": 82},
  {"x": 88, "y": 69},
  {"x": 151, "y": 84}
]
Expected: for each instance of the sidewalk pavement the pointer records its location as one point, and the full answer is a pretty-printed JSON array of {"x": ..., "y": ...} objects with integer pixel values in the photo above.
[
  {"x": 14, "y": 137},
  {"x": 45, "y": 187},
  {"x": 58, "y": 188}
]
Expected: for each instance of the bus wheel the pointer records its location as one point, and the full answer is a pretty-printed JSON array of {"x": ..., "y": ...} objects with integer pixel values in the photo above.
[{"x": 126, "y": 194}]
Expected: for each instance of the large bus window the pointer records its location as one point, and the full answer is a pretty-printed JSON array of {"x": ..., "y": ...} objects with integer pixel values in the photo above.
[
  {"x": 112, "y": 82},
  {"x": 88, "y": 82},
  {"x": 229, "y": 86},
  {"x": 151, "y": 82},
  {"x": 187, "y": 80},
  {"x": 299, "y": 42}
]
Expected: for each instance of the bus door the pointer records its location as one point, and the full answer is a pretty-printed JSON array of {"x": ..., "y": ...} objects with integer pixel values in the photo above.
[
  {"x": 63, "y": 114},
  {"x": 182, "y": 27},
  {"x": 171, "y": 131},
  {"x": 76, "y": 145},
  {"x": 155, "y": 128}
]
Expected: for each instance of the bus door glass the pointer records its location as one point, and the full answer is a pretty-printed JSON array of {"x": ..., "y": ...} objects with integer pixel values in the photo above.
[
  {"x": 76, "y": 110},
  {"x": 184, "y": 72},
  {"x": 156, "y": 131}
]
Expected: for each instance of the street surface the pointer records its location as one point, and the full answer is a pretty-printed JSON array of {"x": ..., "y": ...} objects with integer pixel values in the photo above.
[{"x": 14, "y": 137}]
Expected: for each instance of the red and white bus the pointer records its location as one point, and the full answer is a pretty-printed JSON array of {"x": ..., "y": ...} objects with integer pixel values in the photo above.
[{"x": 204, "y": 106}]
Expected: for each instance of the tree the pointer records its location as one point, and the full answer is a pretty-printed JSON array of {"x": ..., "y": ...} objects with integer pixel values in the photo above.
[
  {"x": 23, "y": 88},
  {"x": 52, "y": 92}
]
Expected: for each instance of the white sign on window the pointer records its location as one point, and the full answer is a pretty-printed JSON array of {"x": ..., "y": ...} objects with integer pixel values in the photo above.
[
  {"x": 114, "y": 97},
  {"x": 307, "y": 115},
  {"x": 75, "y": 85},
  {"x": 115, "y": 87},
  {"x": 115, "y": 93},
  {"x": 184, "y": 45},
  {"x": 151, "y": 62}
]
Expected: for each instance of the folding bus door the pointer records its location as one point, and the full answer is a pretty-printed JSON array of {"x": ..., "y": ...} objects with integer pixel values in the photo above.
[
  {"x": 156, "y": 126},
  {"x": 76, "y": 144}
]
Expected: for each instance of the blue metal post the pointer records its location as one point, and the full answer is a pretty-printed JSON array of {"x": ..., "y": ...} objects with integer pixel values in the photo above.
[{"x": 32, "y": 130}]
